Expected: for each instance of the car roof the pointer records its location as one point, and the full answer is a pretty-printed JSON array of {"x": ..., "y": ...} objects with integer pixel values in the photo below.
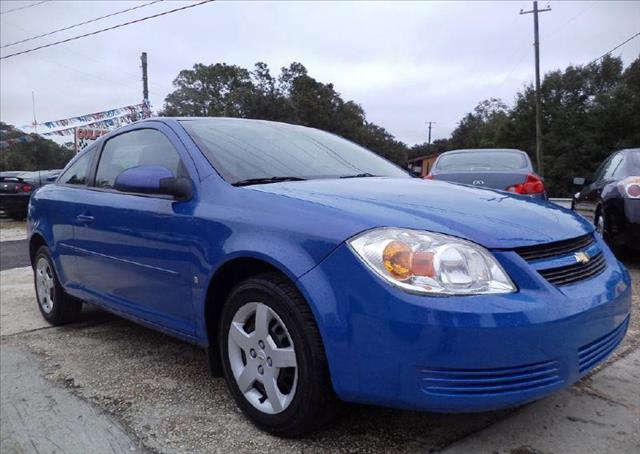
[
  {"x": 215, "y": 120},
  {"x": 474, "y": 150}
]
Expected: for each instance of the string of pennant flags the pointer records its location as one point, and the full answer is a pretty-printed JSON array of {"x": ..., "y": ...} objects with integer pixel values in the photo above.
[
  {"x": 105, "y": 119},
  {"x": 108, "y": 123}
]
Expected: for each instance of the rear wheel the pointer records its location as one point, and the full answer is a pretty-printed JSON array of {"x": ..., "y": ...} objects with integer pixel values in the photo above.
[
  {"x": 55, "y": 305},
  {"x": 273, "y": 359}
]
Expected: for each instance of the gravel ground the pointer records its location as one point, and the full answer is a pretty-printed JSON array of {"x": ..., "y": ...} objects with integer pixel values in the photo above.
[
  {"x": 11, "y": 231},
  {"x": 159, "y": 391}
]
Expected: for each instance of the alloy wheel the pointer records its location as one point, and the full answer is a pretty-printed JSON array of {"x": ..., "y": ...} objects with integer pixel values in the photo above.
[
  {"x": 600, "y": 225},
  {"x": 262, "y": 358},
  {"x": 45, "y": 285}
]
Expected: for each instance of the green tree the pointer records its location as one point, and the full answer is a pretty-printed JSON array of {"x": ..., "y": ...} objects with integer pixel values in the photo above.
[
  {"x": 39, "y": 154},
  {"x": 423, "y": 149},
  {"x": 293, "y": 97},
  {"x": 588, "y": 112},
  {"x": 213, "y": 90}
]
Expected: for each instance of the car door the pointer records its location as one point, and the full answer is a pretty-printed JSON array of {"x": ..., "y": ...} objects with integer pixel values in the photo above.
[
  {"x": 606, "y": 178},
  {"x": 138, "y": 248},
  {"x": 590, "y": 195},
  {"x": 62, "y": 210}
]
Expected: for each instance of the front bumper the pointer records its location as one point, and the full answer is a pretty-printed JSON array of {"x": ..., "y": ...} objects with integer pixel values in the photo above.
[{"x": 462, "y": 354}]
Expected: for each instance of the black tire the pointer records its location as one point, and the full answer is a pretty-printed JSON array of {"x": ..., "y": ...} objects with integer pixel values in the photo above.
[
  {"x": 314, "y": 402},
  {"x": 601, "y": 215},
  {"x": 63, "y": 308}
]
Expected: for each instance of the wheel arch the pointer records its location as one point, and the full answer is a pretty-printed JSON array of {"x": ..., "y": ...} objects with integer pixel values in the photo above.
[
  {"x": 35, "y": 242},
  {"x": 220, "y": 285}
]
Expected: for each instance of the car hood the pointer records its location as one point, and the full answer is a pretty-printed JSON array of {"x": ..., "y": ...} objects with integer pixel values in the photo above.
[{"x": 494, "y": 219}]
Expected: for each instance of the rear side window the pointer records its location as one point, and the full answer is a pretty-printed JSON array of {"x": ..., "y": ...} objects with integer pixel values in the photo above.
[
  {"x": 77, "y": 173},
  {"x": 133, "y": 149},
  {"x": 482, "y": 160}
]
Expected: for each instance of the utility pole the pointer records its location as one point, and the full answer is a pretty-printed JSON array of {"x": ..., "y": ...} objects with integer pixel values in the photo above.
[
  {"x": 33, "y": 107},
  {"x": 145, "y": 82},
  {"x": 35, "y": 127},
  {"x": 536, "y": 45},
  {"x": 429, "y": 141}
]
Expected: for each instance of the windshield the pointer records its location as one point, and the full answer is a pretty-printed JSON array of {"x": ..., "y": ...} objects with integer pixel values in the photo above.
[
  {"x": 246, "y": 150},
  {"x": 482, "y": 160}
]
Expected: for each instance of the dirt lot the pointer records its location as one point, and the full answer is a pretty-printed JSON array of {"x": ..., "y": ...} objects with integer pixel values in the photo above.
[{"x": 107, "y": 385}]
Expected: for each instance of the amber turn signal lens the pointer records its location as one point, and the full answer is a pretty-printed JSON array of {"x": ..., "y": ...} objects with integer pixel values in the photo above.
[{"x": 397, "y": 259}]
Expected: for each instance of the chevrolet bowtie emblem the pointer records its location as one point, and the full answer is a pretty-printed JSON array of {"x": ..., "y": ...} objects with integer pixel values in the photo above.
[{"x": 582, "y": 257}]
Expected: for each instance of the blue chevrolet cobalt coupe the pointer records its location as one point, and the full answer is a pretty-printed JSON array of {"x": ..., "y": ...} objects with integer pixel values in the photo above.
[{"x": 314, "y": 271}]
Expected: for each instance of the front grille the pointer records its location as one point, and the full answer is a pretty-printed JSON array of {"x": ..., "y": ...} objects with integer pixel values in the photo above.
[
  {"x": 591, "y": 354},
  {"x": 543, "y": 251},
  {"x": 476, "y": 382},
  {"x": 566, "y": 275}
]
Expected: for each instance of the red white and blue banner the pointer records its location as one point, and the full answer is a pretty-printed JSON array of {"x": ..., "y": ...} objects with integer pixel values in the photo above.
[
  {"x": 108, "y": 119},
  {"x": 93, "y": 117}
]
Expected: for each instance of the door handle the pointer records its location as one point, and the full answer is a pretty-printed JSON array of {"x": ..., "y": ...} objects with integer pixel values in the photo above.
[{"x": 85, "y": 219}]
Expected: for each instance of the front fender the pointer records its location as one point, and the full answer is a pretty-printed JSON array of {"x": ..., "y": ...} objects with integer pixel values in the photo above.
[{"x": 293, "y": 254}]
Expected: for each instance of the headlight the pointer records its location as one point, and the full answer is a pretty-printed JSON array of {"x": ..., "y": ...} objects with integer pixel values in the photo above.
[
  {"x": 630, "y": 187},
  {"x": 431, "y": 263}
]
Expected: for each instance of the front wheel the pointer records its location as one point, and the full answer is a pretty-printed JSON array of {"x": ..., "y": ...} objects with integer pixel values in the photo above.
[
  {"x": 55, "y": 305},
  {"x": 273, "y": 358},
  {"x": 603, "y": 227}
]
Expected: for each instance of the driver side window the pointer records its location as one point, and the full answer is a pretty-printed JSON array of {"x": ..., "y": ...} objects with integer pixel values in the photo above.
[
  {"x": 610, "y": 171},
  {"x": 132, "y": 149},
  {"x": 597, "y": 175}
]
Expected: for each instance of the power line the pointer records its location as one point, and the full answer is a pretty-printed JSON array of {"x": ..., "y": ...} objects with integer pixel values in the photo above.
[
  {"x": 23, "y": 7},
  {"x": 106, "y": 29},
  {"x": 80, "y": 24},
  {"x": 617, "y": 47},
  {"x": 71, "y": 51}
]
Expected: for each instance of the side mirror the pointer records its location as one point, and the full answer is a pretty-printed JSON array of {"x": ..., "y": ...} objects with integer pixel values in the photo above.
[
  {"x": 579, "y": 181},
  {"x": 153, "y": 180}
]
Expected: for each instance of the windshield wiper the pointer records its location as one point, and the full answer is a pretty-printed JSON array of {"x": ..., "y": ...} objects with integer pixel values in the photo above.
[
  {"x": 359, "y": 175},
  {"x": 265, "y": 180}
]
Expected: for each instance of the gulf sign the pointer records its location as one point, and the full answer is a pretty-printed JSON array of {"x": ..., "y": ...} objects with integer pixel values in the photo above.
[{"x": 86, "y": 136}]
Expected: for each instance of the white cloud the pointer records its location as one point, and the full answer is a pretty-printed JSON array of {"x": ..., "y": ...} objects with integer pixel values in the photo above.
[{"x": 404, "y": 62}]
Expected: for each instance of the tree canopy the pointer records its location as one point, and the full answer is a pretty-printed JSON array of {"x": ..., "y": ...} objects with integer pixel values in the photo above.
[
  {"x": 292, "y": 97},
  {"x": 39, "y": 154},
  {"x": 588, "y": 112}
]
